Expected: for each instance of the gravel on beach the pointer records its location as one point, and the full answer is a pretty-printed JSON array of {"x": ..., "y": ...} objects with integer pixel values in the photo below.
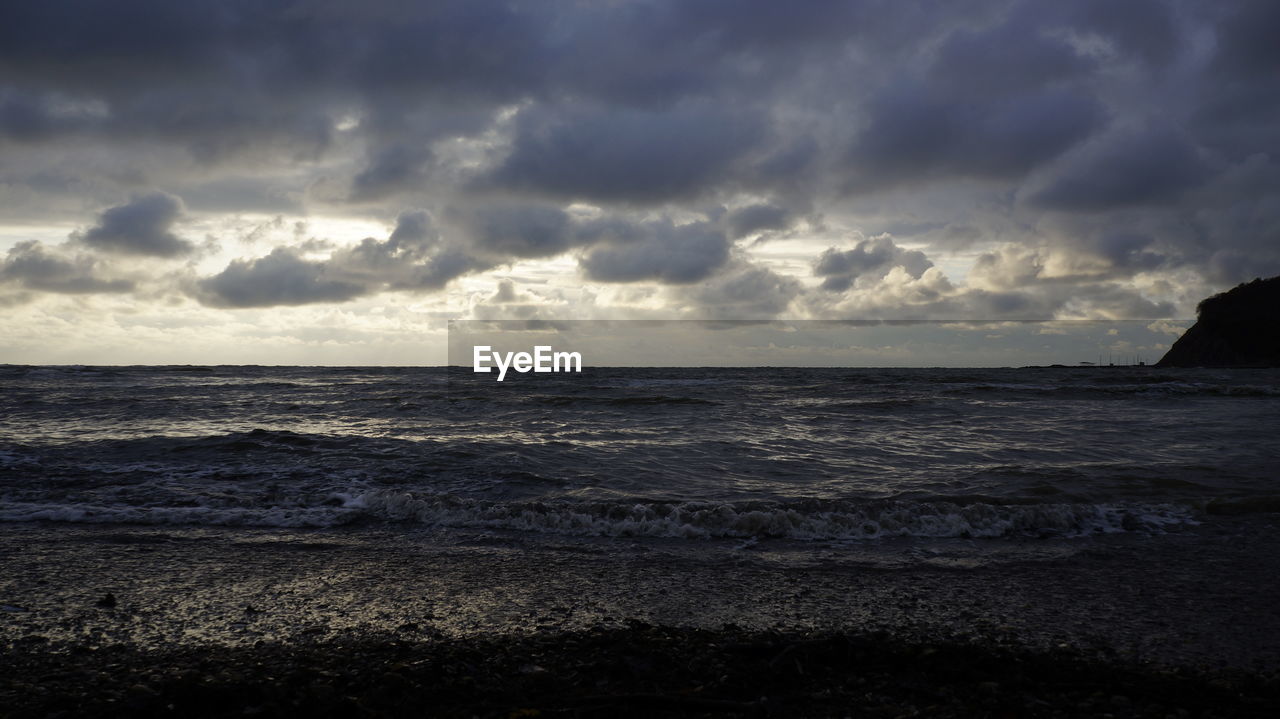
[{"x": 633, "y": 670}]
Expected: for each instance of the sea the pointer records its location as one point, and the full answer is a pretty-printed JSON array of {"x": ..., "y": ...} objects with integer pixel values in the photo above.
[{"x": 818, "y": 459}]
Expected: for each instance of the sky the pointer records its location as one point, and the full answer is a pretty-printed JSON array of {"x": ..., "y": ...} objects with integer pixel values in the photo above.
[{"x": 325, "y": 182}]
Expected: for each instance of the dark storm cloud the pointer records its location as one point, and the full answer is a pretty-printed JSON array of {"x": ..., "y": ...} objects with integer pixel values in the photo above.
[
  {"x": 375, "y": 261},
  {"x": 143, "y": 226},
  {"x": 991, "y": 102},
  {"x": 1239, "y": 99},
  {"x": 668, "y": 253},
  {"x": 1101, "y": 300},
  {"x": 876, "y": 257},
  {"x": 417, "y": 256},
  {"x": 395, "y": 168},
  {"x": 1131, "y": 168},
  {"x": 280, "y": 278},
  {"x": 241, "y": 193},
  {"x": 617, "y": 248},
  {"x": 1118, "y": 121},
  {"x": 1129, "y": 252},
  {"x": 1246, "y": 47},
  {"x": 32, "y": 266},
  {"x": 414, "y": 257},
  {"x": 744, "y": 291},
  {"x": 515, "y": 230},
  {"x": 626, "y": 155},
  {"x": 25, "y": 117},
  {"x": 1143, "y": 29},
  {"x": 441, "y": 268},
  {"x": 915, "y": 136},
  {"x": 1012, "y": 283},
  {"x": 1007, "y": 59},
  {"x": 506, "y": 293},
  {"x": 248, "y": 82},
  {"x": 755, "y": 218},
  {"x": 414, "y": 228}
]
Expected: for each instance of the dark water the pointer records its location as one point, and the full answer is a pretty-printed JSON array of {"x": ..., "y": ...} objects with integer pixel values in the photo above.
[{"x": 832, "y": 455}]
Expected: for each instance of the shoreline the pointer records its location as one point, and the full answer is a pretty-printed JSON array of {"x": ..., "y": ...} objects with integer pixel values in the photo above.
[
  {"x": 196, "y": 608},
  {"x": 639, "y": 670}
]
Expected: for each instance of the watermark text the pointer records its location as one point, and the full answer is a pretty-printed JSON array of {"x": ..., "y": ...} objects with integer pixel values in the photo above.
[{"x": 543, "y": 359}]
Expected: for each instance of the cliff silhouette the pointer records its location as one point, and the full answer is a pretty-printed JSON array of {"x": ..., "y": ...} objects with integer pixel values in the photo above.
[{"x": 1236, "y": 328}]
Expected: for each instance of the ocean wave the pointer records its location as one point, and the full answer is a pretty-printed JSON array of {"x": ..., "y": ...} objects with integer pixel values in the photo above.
[
  {"x": 1262, "y": 504},
  {"x": 803, "y": 520},
  {"x": 196, "y": 516},
  {"x": 1115, "y": 389},
  {"x": 627, "y": 401},
  {"x": 806, "y": 520}
]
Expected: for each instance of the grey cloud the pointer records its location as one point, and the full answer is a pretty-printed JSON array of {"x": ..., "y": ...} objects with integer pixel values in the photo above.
[
  {"x": 744, "y": 292},
  {"x": 212, "y": 123},
  {"x": 1132, "y": 168},
  {"x": 280, "y": 278},
  {"x": 242, "y": 193},
  {"x": 514, "y": 230},
  {"x": 993, "y": 101},
  {"x": 1114, "y": 301},
  {"x": 26, "y": 117},
  {"x": 824, "y": 108},
  {"x": 789, "y": 170},
  {"x": 416, "y": 258},
  {"x": 606, "y": 51},
  {"x": 1103, "y": 300},
  {"x": 1007, "y": 267},
  {"x": 1238, "y": 101},
  {"x": 142, "y": 226},
  {"x": 30, "y": 265},
  {"x": 874, "y": 257},
  {"x": 915, "y": 135},
  {"x": 413, "y": 239},
  {"x": 1004, "y": 60},
  {"x": 506, "y": 293},
  {"x": 754, "y": 218},
  {"x": 1230, "y": 267},
  {"x": 1144, "y": 29},
  {"x": 897, "y": 295},
  {"x": 443, "y": 268},
  {"x": 1130, "y": 252},
  {"x": 414, "y": 228},
  {"x": 396, "y": 168},
  {"x": 1106, "y": 300},
  {"x": 986, "y": 304},
  {"x": 412, "y": 258},
  {"x": 617, "y": 248},
  {"x": 1246, "y": 40},
  {"x": 407, "y": 261},
  {"x": 1108, "y": 256},
  {"x": 626, "y": 155},
  {"x": 665, "y": 252}
]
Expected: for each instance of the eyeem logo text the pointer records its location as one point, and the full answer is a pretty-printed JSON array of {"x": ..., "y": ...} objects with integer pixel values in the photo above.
[{"x": 543, "y": 359}]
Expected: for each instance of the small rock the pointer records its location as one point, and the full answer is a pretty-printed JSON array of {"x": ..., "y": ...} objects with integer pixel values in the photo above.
[{"x": 107, "y": 602}]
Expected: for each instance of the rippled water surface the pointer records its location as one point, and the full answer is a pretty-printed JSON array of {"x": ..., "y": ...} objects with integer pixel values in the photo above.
[{"x": 826, "y": 454}]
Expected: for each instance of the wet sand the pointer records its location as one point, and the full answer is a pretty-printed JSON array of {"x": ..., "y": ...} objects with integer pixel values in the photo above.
[{"x": 1125, "y": 624}]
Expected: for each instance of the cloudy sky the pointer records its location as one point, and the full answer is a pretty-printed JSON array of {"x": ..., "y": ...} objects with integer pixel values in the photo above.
[{"x": 325, "y": 182}]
